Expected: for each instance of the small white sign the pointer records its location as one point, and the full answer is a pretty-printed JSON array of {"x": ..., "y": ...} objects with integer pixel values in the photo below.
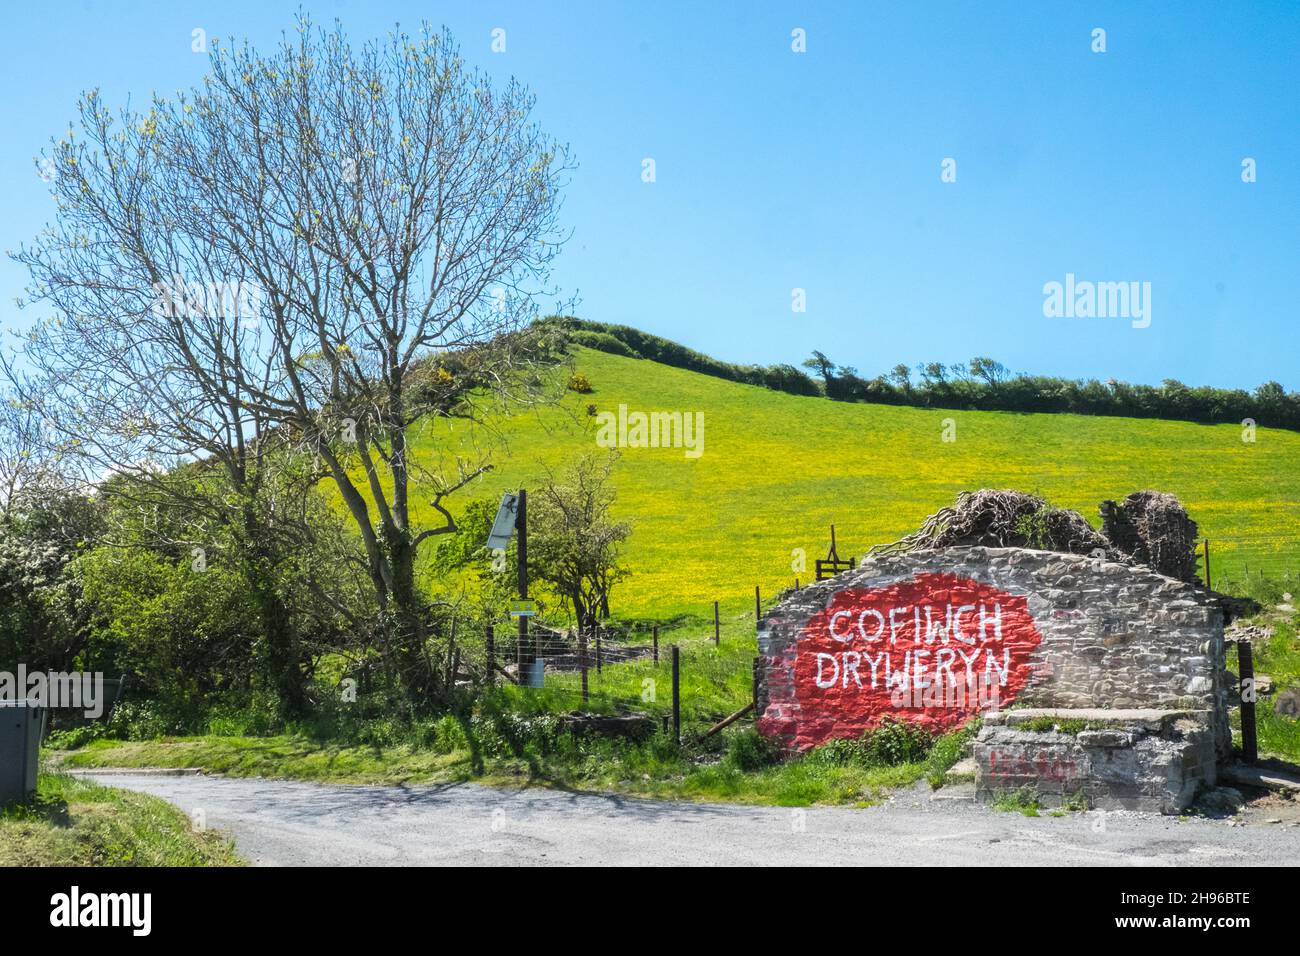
[{"x": 504, "y": 525}]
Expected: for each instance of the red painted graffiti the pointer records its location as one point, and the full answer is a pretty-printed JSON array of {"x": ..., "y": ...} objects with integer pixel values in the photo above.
[
  {"x": 1009, "y": 764},
  {"x": 932, "y": 650}
]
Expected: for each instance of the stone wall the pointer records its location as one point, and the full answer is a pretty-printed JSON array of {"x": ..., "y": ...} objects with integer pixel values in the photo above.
[
  {"x": 937, "y": 636},
  {"x": 1152, "y": 760}
]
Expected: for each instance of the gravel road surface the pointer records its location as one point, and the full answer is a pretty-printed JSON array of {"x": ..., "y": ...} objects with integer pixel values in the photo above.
[{"x": 281, "y": 823}]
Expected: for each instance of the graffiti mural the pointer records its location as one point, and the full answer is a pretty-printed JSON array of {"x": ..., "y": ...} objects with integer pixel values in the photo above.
[{"x": 935, "y": 649}]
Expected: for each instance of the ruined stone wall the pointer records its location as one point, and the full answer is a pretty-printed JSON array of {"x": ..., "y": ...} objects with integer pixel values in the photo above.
[
  {"x": 1153, "y": 760},
  {"x": 896, "y": 638}
]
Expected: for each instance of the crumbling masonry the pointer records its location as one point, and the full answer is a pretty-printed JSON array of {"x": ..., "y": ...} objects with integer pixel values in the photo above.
[{"x": 1095, "y": 679}]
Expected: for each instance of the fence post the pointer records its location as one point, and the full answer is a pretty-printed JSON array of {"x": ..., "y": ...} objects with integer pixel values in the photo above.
[
  {"x": 491, "y": 657},
  {"x": 677, "y": 696},
  {"x": 796, "y": 584},
  {"x": 717, "y": 632},
  {"x": 1246, "y": 666},
  {"x": 656, "y": 644},
  {"x": 1208, "y": 585},
  {"x": 582, "y": 662},
  {"x": 758, "y": 606},
  {"x": 599, "y": 661}
]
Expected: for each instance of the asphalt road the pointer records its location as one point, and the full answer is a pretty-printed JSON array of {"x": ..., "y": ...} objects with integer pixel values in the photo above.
[{"x": 279, "y": 823}]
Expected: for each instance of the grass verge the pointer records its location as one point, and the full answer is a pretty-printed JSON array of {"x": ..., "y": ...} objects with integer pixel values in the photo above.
[
  {"x": 731, "y": 768},
  {"x": 1279, "y": 658},
  {"x": 73, "y": 822}
]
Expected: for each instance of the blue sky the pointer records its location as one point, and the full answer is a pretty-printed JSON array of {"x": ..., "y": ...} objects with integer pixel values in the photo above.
[{"x": 821, "y": 170}]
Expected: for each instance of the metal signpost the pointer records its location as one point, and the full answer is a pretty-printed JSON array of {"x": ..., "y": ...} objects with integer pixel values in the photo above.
[{"x": 512, "y": 516}]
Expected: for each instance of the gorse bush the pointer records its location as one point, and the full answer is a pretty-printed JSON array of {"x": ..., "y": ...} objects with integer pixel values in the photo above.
[{"x": 580, "y": 383}]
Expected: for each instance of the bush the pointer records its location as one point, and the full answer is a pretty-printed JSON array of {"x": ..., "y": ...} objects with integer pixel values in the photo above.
[
  {"x": 578, "y": 382},
  {"x": 76, "y": 737},
  {"x": 748, "y": 750},
  {"x": 260, "y": 719},
  {"x": 836, "y": 753},
  {"x": 895, "y": 742},
  {"x": 891, "y": 743},
  {"x": 147, "y": 720},
  {"x": 602, "y": 342}
]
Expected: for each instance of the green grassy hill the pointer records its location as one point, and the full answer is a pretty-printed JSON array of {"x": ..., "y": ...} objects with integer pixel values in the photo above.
[{"x": 778, "y": 469}]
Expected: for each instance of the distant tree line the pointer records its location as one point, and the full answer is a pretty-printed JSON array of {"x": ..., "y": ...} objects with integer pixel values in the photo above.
[
  {"x": 633, "y": 343},
  {"x": 980, "y": 384}
]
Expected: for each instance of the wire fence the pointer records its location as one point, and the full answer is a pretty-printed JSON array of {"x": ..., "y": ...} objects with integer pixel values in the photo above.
[
  {"x": 686, "y": 670},
  {"x": 701, "y": 668},
  {"x": 1225, "y": 560}
]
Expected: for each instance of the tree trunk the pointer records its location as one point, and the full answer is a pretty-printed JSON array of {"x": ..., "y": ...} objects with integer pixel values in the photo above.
[
  {"x": 282, "y": 663},
  {"x": 410, "y": 627},
  {"x": 281, "y": 666}
]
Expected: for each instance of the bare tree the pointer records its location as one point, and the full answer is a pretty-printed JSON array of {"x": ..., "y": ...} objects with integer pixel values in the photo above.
[
  {"x": 142, "y": 371},
  {"x": 383, "y": 220},
  {"x": 28, "y": 463}
]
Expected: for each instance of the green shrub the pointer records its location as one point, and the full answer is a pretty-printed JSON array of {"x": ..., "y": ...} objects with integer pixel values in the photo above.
[
  {"x": 889, "y": 744},
  {"x": 578, "y": 382},
  {"x": 76, "y": 737},
  {"x": 603, "y": 342},
  {"x": 748, "y": 750},
  {"x": 1023, "y": 801},
  {"x": 837, "y": 753},
  {"x": 947, "y": 750},
  {"x": 149, "y": 720},
  {"x": 894, "y": 742}
]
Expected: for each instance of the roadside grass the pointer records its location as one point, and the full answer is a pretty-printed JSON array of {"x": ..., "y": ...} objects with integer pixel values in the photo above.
[
  {"x": 289, "y": 757},
  {"x": 1279, "y": 658},
  {"x": 1023, "y": 801},
  {"x": 647, "y": 771},
  {"x": 734, "y": 767},
  {"x": 73, "y": 822}
]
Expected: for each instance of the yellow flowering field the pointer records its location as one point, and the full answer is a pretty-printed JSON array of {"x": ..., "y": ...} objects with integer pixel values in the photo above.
[{"x": 775, "y": 470}]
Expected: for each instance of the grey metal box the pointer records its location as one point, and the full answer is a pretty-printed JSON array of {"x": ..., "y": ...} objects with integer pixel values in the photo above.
[{"x": 20, "y": 745}]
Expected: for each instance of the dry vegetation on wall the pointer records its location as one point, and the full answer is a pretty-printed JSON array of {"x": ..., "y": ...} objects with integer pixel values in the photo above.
[{"x": 1150, "y": 528}]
